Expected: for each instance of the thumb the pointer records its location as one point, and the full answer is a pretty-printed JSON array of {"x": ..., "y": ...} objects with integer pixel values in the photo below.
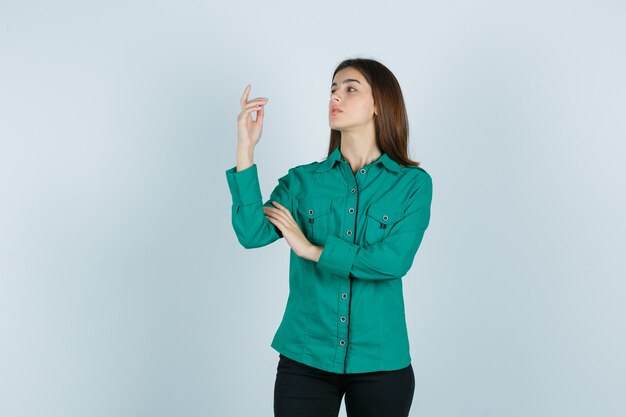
[{"x": 260, "y": 114}]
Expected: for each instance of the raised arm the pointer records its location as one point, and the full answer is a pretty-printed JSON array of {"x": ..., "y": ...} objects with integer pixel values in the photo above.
[{"x": 251, "y": 226}]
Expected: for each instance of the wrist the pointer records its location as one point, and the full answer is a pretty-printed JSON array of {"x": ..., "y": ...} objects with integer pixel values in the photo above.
[
  {"x": 245, "y": 150},
  {"x": 244, "y": 157},
  {"x": 313, "y": 253}
]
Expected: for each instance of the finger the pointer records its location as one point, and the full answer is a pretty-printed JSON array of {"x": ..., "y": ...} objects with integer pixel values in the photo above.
[
  {"x": 252, "y": 106},
  {"x": 276, "y": 209},
  {"x": 270, "y": 210},
  {"x": 256, "y": 103},
  {"x": 280, "y": 222},
  {"x": 275, "y": 220},
  {"x": 244, "y": 97},
  {"x": 246, "y": 112},
  {"x": 281, "y": 207},
  {"x": 275, "y": 213},
  {"x": 259, "y": 115}
]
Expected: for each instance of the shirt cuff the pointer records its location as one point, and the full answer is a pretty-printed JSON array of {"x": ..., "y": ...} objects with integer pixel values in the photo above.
[
  {"x": 244, "y": 185},
  {"x": 337, "y": 256}
]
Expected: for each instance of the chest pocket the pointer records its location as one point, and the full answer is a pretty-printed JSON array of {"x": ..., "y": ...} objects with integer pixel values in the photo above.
[
  {"x": 315, "y": 216},
  {"x": 379, "y": 221}
]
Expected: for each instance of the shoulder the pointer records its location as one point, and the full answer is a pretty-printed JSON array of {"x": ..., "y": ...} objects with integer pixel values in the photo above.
[
  {"x": 299, "y": 173},
  {"x": 418, "y": 174},
  {"x": 311, "y": 166},
  {"x": 306, "y": 168}
]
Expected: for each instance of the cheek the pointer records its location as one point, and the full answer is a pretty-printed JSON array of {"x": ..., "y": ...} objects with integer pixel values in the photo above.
[
  {"x": 366, "y": 105},
  {"x": 366, "y": 110}
]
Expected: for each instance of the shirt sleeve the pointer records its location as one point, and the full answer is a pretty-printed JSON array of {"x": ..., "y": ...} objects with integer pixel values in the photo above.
[
  {"x": 252, "y": 228},
  {"x": 390, "y": 258}
]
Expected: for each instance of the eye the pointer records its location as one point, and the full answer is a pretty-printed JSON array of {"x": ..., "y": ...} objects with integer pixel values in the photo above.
[{"x": 333, "y": 91}]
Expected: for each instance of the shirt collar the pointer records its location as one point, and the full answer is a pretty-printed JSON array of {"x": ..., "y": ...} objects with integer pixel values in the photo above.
[{"x": 335, "y": 156}]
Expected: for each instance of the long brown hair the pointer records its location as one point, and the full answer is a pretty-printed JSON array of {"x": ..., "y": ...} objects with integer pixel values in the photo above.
[{"x": 391, "y": 122}]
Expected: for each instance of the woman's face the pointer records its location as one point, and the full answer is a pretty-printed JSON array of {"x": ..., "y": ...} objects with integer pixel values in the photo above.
[{"x": 351, "y": 101}]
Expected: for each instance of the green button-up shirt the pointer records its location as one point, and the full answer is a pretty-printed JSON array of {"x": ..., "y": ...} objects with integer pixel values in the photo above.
[{"x": 344, "y": 313}]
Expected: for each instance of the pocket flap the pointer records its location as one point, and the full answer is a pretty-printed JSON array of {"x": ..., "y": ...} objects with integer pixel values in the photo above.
[
  {"x": 384, "y": 214},
  {"x": 314, "y": 207}
]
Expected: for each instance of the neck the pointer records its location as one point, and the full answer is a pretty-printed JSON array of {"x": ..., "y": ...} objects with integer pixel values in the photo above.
[{"x": 359, "y": 148}]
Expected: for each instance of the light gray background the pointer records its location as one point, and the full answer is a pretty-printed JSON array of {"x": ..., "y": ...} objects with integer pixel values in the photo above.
[{"x": 123, "y": 289}]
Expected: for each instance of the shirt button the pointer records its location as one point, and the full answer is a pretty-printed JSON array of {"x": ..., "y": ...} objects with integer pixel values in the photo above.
[
  {"x": 353, "y": 190},
  {"x": 349, "y": 232},
  {"x": 344, "y": 295},
  {"x": 341, "y": 342},
  {"x": 362, "y": 171},
  {"x": 310, "y": 211},
  {"x": 385, "y": 217},
  {"x": 350, "y": 210},
  {"x": 343, "y": 319}
]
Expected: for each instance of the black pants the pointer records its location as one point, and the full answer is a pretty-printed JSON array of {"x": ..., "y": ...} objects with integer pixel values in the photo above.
[{"x": 303, "y": 391}]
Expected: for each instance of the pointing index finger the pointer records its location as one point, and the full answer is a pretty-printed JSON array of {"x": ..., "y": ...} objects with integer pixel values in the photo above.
[{"x": 244, "y": 97}]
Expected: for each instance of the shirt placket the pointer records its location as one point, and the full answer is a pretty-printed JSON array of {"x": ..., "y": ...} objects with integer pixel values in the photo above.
[{"x": 349, "y": 234}]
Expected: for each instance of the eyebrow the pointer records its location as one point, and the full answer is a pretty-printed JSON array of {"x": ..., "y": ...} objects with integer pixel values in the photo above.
[{"x": 346, "y": 82}]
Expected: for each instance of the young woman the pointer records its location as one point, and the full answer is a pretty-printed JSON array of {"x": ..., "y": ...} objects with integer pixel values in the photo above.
[{"x": 354, "y": 223}]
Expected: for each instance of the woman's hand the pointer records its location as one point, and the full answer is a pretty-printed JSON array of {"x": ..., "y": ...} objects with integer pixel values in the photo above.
[
  {"x": 248, "y": 130},
  {"x": 282, "y": 218}
]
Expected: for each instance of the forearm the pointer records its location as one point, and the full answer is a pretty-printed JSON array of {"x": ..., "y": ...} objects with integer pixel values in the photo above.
[
  {"x": 313, "y": 253},
  {"x": 390, "y": 259},
  {"x": 248, "y": 220},
  {"x": 245, "y": 157}
]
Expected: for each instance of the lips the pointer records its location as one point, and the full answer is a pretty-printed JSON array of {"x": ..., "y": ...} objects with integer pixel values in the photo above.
[{"x": 335, "y": 110}]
